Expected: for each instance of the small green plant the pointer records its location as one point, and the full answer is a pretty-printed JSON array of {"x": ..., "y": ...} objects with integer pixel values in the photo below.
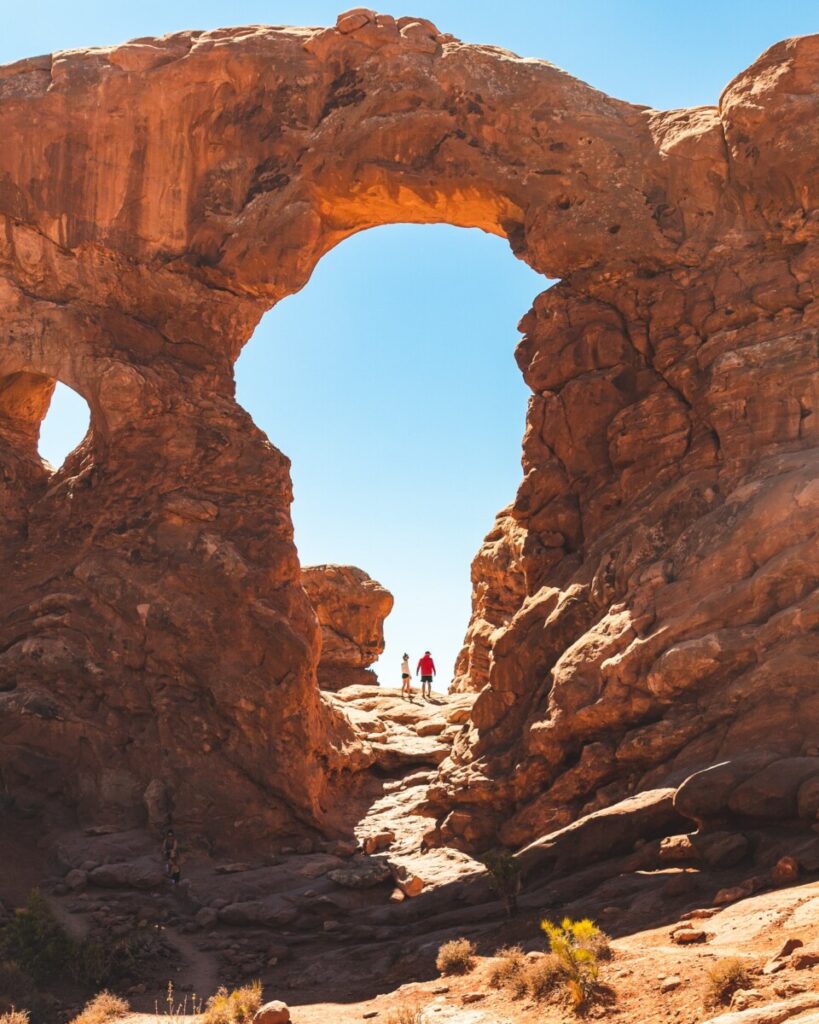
[
  {"x": 504, "y": 877},
  {"x": 573, "y": 942},
  {"x": 456, "y": 957},
  {"x": 103, "y": 1008},
  {"x": 510, "y": 965},
  {"x": 724, "y": 978},
  {"x": 236, "y": 1007}
]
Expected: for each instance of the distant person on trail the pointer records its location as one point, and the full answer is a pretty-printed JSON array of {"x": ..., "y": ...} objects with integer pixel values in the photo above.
[
  {"x": 170, "y": 851},
  {"x": 406, "y": 678},
  {"x": 426, "y": 668}
]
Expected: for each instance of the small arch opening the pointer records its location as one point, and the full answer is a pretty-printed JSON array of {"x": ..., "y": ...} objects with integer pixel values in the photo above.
[{"x": 63, "y": 427}]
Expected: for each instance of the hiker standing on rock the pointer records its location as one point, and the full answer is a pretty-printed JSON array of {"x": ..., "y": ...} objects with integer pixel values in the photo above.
[
  {"x": 406, "y": 678},
  {"x": 426, "y": 668},
  {"x": 170, "y": 851}
]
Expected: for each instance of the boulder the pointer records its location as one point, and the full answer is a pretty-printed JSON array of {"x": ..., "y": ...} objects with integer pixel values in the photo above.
[
  {"x": 676, "y": 849},
  {"x": 271, "y": 912},
  {"x": 721, "y": 849},
  {"x": 604, "y": 833},
  {"x": 732, "y": 893},
  {"x": 687, "y": 936},
  {"x": 76, "y": 879},
  {"x": 785, "y": 871},
  {"x": 378, "y": 842},
  {"x": 361, "y": 875},
  {"x": 274, "y": 1012},
  {"x": 207, "y": 917},
  {"x": 804, "y": 959},
  {"x": 771, "y": 1013},
  {"x": 144, "y": 873},
  {"x": 351, "y": 608}
]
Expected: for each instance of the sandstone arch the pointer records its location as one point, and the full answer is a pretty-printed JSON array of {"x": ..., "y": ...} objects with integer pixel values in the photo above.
[{"x": 162, "y": 194}]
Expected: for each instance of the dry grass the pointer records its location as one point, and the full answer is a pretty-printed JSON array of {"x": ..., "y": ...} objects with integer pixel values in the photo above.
[
  {"x": 724, "y": 978},
  {"x": 599, "y": 943},
  {"x": 456, "y": 957},
  {"x": 15, "y": 1017},
  {"x": 524, "y": 975},
  {"x": 511, "y": 963},
  {"x": 404, "y": 1015},
  {"x": 101, "y": 1009},
  {"x": 543, "y": 976},
  {"x": 236, "y": 1007}
]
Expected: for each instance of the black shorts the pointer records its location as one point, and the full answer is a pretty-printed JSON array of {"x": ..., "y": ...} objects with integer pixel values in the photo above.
[
  {"x": 426, "y": 679},
  {"x": 406, "y": 675}
]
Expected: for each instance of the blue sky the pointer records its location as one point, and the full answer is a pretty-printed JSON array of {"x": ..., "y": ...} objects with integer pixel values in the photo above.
[{"x": 389, "y": 380}]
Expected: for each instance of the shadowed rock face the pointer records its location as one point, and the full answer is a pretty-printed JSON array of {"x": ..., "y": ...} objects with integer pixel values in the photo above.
[
  {"x": 351, "y": 608},
  {"x": 646, "y": 607}
]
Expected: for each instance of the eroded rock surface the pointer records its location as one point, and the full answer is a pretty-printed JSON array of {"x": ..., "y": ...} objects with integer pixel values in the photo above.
[
  {"x": 647, "y": 606},
  {"x": 351, "y": 608}
]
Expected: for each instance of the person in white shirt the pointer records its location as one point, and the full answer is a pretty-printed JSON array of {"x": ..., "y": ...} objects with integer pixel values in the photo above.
[{"x": 406, "y": 678}]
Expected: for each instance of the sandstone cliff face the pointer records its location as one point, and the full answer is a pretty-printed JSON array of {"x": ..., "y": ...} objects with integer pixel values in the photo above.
[
  {"x": 648, "y": 604},
  {"x": 498, "y": 590},
  {"x": 351, "y": 608}
]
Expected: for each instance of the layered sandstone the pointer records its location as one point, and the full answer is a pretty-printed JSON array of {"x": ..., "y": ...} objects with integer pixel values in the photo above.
[
  {"x": 351, "y": 608},
  {"x": 646, "y": 608}
]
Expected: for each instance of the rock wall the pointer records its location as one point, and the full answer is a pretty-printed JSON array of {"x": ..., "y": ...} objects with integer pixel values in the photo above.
[
  {"x": 498, "y": 590},
  {"x": 648, "y": 603},
  {"x": 351, "y": 608}
]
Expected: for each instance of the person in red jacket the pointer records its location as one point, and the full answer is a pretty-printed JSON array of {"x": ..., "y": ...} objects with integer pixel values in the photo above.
[{"x": 426, "y": 668}]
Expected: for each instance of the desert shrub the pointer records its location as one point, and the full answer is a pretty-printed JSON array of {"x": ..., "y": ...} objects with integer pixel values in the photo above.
[
  {"x": 37, "y": 943},
  {"x": 103, "y": 1008},
  {"x": 510, "y": 964},
  {"x": 456, "y": 957},
  {"x": 15, "y": 985},
  {"x": 15, "y": 1017},
  {"x": 18, "y": 989},
  {"x": 404, "y": 1015},
  {"x": 724, "y": 978},
  {"x": 235, "y": 1007},
  {"x": 504, "y": 877},
  {"x": 543, "y": 976},
  {"x": 572, "y": 943},
  {"x": 95, "y": 963}
]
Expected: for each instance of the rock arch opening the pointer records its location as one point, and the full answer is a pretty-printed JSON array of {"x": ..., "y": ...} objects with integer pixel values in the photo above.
[
  {"x": 36, "y": 436},
  {"x": 64, "y": 425},
  {"x": 390, "y": 382}
]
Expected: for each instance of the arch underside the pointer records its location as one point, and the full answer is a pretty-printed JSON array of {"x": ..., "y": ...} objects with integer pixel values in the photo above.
[{"x": 647, "y": 604}]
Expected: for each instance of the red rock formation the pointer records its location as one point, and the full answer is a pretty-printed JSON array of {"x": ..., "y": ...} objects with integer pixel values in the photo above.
[
  {"x": 498, "y": 589},
  {"x": 351, "y": 608},
  {"x": 157, "y": 197}
]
